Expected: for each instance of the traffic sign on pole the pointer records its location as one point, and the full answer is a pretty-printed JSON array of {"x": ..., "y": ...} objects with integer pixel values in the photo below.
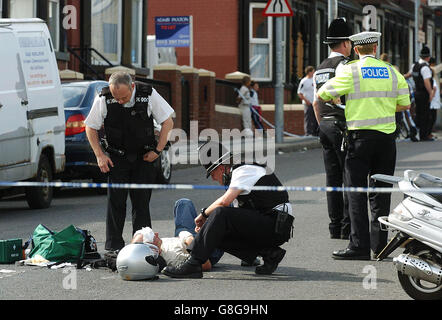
[{"x": 278, "y": 8}]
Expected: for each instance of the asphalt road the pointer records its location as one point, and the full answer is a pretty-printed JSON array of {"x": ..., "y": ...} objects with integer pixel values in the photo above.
[{"x": 307, "y": 272}]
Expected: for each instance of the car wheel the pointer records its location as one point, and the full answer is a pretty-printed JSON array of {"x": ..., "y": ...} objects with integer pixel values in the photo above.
[
  {"x": 41, "y": 197},
  {"x": 164, "y": 167}
]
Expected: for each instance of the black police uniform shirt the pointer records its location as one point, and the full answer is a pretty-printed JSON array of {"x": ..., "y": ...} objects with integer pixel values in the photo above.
[
  {"x": 158, "y": 107},
  {"x": 327, "y": 70},
  {"x": 245, "y": 177}
]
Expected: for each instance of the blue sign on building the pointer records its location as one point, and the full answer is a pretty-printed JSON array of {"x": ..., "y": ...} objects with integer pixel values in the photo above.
[{"x": 172, "y": 31}]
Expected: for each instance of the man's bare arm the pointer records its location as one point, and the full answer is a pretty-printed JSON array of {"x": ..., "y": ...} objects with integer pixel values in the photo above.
[{"x": 103, "y": 160}]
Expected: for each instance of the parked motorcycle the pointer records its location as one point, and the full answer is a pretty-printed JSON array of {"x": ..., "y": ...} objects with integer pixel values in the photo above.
[{"x": 417, "y": 224}]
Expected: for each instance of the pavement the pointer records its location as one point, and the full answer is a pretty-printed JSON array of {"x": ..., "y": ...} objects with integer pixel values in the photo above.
[{"x": 184, "y": 153}]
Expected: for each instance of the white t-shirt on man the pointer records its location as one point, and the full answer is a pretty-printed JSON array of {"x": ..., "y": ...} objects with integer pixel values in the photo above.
[
  {"x": 307, "y": 88},
  {"x": 157, "y": 106}
]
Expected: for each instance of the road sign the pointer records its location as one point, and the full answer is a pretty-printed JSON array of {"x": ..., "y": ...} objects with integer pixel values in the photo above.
[
  {"x": 434, "y": 3},
  {"x": 278, "y": 8}
]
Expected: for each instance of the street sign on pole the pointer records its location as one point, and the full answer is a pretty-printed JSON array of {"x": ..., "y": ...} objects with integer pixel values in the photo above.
[
  {"x": 278, "y": 8},
  {"x": 435, "y": 3}
]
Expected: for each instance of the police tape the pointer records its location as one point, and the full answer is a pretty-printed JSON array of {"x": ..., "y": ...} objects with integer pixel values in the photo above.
[{"x": 89, "y": 185}]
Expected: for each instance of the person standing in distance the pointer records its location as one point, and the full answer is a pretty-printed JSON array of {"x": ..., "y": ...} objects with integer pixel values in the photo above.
[
  {"x": 422, "y": 76},
  {"x": 306, "y": 94},
  {"x": 374, "y": 91},
  {"x": 127, "y": 110},
  {"x": 331, "y": 119}
]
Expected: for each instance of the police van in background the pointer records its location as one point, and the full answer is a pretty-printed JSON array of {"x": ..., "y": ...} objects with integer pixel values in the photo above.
[{"x": 32, "y": 121}]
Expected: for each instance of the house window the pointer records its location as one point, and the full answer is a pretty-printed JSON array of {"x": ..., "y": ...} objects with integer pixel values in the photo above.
[
  {"x": 260, "y": 42},
  {"x": 106, "y": 26},
  {"x": 137, "y": 31},
  {"x": 22, "y": 9},
  {"x": 54, "y": 22}
]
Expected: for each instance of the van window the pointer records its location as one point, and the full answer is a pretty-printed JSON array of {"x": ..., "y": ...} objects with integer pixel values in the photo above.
[{"x": 12, "y": 79}]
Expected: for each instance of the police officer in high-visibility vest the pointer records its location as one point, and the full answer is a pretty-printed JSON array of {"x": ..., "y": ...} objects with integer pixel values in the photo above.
[{"x": 374, "y": 91}]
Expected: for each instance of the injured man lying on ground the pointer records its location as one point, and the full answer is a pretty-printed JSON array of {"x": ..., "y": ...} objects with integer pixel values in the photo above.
[{"x": 173, "y": 250}]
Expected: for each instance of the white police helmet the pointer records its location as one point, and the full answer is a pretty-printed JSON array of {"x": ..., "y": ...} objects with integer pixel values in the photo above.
[{"x": 138, "y": 261}]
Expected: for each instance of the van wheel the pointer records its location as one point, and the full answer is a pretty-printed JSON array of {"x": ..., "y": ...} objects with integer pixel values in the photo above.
[{"x": 41, "y": 197}]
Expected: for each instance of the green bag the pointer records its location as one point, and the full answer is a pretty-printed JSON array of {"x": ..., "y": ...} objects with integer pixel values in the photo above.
[{"x": 66, "y": 245}]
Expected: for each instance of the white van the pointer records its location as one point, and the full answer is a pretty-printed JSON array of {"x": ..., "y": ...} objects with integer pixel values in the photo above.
[{"x": 32, "y": 122}]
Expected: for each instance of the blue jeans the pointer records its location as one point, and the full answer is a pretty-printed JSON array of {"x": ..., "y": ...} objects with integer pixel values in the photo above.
[{"x": 184, "y": 214}]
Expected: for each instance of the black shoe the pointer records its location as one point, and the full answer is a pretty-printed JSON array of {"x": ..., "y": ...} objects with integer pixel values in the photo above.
[
  {"x": 335, "y": 236},
  {"x": 255, "y": 263},
  {"x": 188, "y": 269},
  {"x": 350, "y": 254},
  {"x": 272, "y": 257},
  {"x": 413, "y": 133}
]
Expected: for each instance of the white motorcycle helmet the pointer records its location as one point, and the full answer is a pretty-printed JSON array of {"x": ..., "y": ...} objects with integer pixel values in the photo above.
[{"x": 138, "y": 261}]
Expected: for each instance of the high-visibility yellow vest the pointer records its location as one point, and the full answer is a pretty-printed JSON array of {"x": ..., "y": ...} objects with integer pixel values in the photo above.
[{"x": 373, "y": 89}]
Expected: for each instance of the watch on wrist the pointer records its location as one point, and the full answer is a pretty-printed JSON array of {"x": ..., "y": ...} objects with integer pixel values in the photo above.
[
  {"x": 203, "y": 213},
  {"x": 156, "y": 151}
]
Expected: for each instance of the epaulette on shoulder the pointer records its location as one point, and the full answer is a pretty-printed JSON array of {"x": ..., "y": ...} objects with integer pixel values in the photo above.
[
  {"x": 105, "y": 91},
  {"x": 144, "y": 88}
]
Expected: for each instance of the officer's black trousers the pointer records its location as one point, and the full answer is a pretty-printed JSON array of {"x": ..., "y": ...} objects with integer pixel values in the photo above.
[
  {"x": 371, "y": 153},
  {"x": 423, "y": 114},
  {"x": 240, "y": 232},
  {"x": 334, "y": 160},
  {"x": 125, "y": 171}
]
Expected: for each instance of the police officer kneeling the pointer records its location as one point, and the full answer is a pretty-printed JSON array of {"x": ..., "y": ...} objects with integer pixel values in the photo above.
[
  {"x": 261, "y": 223},
  {"x": 374, "y": 92}
]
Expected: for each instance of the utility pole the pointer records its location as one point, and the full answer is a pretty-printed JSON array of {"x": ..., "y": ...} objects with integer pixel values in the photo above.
[
  {"x": 279, "y": 90},
  {"x": 332, "y": 10},
  {"x": 332, "y": 13}
]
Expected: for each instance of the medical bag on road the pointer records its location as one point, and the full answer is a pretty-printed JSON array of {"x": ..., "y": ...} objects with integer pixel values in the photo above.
[
  {"x": 10, "y": 251},
  {"x": 66, "y": 245}
]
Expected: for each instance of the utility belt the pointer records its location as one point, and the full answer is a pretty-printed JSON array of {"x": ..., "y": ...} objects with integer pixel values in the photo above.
[
  {"x": 341, "y": 124},
  {"x": 284, "y": 221},
  {"x": 122, "y": 153},
  {"x": 370, "y": 134}
]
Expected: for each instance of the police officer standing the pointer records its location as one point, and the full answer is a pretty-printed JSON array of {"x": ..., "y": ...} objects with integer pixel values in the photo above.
[
  {"x": 127, "y": 110},
  {"x": 423, "y": 79},
  {"x": 331, "y": 119},
  {"x": 258, "y": 225},
  {"x": 374, "y": 92}
]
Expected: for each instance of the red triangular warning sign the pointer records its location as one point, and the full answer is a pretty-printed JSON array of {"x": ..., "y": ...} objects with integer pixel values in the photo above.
[{"x": 278, "y": 8}]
